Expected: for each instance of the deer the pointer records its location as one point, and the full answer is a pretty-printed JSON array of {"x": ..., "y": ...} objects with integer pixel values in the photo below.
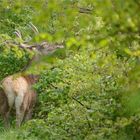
[{"x": 16, "y": 90}]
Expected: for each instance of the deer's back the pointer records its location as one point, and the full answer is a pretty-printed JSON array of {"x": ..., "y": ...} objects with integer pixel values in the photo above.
[{"x": 15, "y": 85}]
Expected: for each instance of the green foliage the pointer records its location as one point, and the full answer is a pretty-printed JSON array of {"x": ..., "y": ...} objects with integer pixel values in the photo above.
[
  {"x": 81, "y": 94},
  {"x": 14, "y": 17},
  {"x": 12, "y": 59},
  {"x": 90, "y": 89}
]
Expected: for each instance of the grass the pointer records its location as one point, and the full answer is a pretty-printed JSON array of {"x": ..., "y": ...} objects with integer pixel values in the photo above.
[{"x": 9, "y": 134}]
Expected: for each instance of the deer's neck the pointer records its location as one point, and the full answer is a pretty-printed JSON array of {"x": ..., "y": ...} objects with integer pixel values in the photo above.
[{"x": 31, "y": 78}]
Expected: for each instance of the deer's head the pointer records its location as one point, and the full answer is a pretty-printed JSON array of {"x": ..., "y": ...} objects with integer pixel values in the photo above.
[
  {"x": 43, "y": 48},
  {"x": 40, "y": 49}
]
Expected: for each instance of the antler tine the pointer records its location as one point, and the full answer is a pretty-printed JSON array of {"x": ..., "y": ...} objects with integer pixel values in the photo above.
[
  {"x": 33, "y": 27},
  {"x": 25, "y": 46},
  {"x": 18, "y": 33}
]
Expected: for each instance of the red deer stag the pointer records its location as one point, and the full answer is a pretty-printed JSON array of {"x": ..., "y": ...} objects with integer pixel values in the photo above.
[{"x": 17, "y": 91}]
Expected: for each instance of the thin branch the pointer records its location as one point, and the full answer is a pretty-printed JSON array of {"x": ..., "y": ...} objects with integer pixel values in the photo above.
[
  {"x": 85, "y": 10},
  {"x": 80, "y": 103}
]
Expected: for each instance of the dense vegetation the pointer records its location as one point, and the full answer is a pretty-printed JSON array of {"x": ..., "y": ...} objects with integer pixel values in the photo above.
[{"x": 88, "y": 90}]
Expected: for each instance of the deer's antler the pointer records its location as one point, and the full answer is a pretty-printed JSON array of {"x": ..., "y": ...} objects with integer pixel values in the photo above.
[
  {"x": 33, "y": 28},
  {"x": 18, "y": 33}
]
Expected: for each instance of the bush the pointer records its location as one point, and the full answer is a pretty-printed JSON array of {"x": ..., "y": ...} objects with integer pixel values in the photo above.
[{"x": 92, "y": 92}]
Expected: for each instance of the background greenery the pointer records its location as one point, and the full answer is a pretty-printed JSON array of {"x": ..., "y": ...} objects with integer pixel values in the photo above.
[{"x": 89, "y": 90}]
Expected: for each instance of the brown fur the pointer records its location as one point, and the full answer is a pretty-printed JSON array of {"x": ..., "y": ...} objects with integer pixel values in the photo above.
[
  {"x": 4, "y": 107},
  {"x": 3, "y": 101},
  {"x": 18, "y": 91}
]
